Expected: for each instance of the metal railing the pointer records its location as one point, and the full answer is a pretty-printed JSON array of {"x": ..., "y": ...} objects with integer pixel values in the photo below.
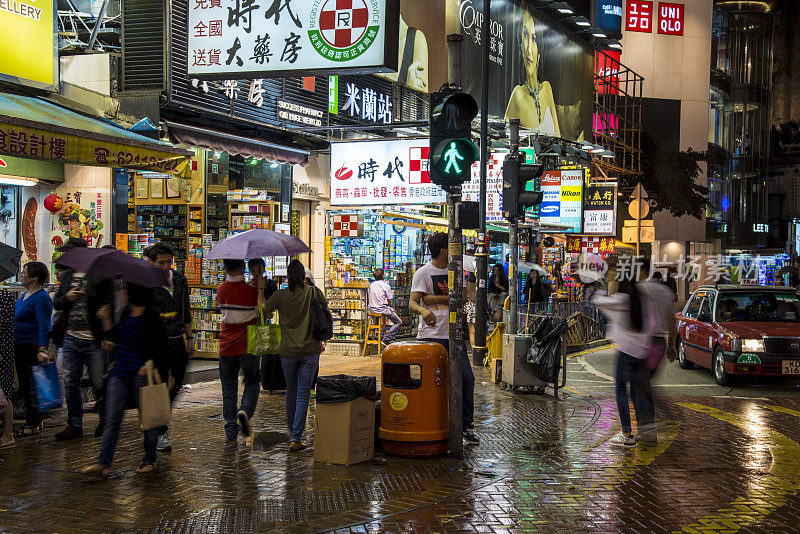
[{"x": 592, "y": 321}]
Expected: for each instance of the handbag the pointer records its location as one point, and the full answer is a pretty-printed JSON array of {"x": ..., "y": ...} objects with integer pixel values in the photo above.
[
  {"x": 263, "y": 338},
  {"x": 655, "y": 354},
  {"x": 47, "y": 386},
  {"x": 321, "y": 319},
  {"x": 154, "y": 405}
]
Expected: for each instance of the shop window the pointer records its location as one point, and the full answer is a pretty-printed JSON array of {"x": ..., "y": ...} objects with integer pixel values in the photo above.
[{"x": 402, "y": 375}]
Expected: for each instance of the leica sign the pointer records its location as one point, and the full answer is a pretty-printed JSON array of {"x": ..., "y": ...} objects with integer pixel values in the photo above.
[{"x": 670, "y": 19}]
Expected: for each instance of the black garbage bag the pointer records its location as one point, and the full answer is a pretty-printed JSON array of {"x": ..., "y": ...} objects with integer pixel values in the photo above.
[
  {"x": 343, "y": 388},
  {"x": 545, "y": 352}
]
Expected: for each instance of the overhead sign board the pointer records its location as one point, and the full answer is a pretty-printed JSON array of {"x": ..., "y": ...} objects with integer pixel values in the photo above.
[
  {"x": 382, "y": 173},
  {"x": 670, "y": 18},
  {"x": 562, "y": 200},
  {"x": 28, "y": 54},
  {"x": 609, "y": 15},
  {"x": 260, "y": 38},
  {"x": 639, "y": 17},
  {"x": 600, "y": 209}
]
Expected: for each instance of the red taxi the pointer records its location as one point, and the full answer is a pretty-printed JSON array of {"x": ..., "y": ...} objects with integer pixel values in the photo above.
[{"x": 741, "y": 330}]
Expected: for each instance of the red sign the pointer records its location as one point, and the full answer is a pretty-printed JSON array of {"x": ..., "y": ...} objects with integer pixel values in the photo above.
[
  {"x": 639, "y": 17},
  {"x": 601, "y": 246},
  {"x": 606, "y": 70},
  {"x": 670, "y": 18}
]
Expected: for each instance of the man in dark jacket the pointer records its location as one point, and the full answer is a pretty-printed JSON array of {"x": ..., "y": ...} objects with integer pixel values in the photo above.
[
  {"x": 79, "y": 333},
  {"x": 171, "y": 302}
]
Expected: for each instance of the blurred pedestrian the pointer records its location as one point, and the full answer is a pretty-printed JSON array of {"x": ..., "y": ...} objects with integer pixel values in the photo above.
[
  {"x": 137, "y": 337},
  {"x": 299, "y": 350},
  {"x": 31, "y": 335},
  {"x": 238, "y": 303},
  {"x": 172, "y": 304},
  {"x": 470, "y": 309},
  {"x": 497, "y": 292},
  {"x": 379, "y": 297},
  {"x": 79, "y": 333}
]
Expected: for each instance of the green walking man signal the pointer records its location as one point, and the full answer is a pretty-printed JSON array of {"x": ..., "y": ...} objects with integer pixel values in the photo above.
[{"x": 451, "y": 151}]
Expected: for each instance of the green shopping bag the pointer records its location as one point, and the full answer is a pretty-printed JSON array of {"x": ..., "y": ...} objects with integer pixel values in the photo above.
[{"x": 263, "y": 338}]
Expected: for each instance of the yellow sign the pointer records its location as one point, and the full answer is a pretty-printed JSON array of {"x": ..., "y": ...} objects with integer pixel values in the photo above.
[
  {"x": 36, "y": 143},
  {"x": 398, "y": 402},
  {"x": 122, "y": 242},
  {"x": 647, "y": 234},
  {"x": 26, "y": 42}
]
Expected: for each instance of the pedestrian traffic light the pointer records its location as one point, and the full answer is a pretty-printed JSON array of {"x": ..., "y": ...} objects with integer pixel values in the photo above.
[
  {"x": 516, "y": 176},
  {"x": 451, "y": 150}
]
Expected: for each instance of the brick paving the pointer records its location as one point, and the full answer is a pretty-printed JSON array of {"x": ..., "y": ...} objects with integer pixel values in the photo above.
[{"x": 544, "y": 465}]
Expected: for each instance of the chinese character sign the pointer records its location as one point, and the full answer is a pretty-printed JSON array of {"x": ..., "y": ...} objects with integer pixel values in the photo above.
[
  {"x": 639, "y": 17},
  {"x": 599, "y": 209},
  {"x": 382, "y": 173},
  {"x": 670, "y": 18},
  {"x": 254, "y": 37},
  {"x": 470, "y": 191}
]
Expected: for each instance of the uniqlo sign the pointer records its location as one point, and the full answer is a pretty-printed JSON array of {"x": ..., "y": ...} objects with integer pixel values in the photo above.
[
  {"x": 639, "y": 17},
  {"x": 670, "y": 18}
]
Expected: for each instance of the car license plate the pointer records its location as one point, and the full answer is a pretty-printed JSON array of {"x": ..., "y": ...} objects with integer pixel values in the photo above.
[{"x": 791, "y": 367}]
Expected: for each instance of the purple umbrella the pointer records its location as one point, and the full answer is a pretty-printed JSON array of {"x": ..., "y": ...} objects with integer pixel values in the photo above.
[
  {"x": 257, "y": 243},
  {"x": 112, "y": 263}
]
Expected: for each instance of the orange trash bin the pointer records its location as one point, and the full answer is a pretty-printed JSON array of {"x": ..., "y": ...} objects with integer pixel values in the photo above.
[{"x": 414, "y": 412}]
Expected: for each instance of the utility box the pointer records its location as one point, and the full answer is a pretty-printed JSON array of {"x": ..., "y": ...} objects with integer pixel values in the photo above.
[
  {"x": 345, "y": 432},
  {"x": 516, "y": 370}
]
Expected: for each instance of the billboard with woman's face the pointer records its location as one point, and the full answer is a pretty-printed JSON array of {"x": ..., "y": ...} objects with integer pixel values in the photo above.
[{"x": 538, "y": 73}]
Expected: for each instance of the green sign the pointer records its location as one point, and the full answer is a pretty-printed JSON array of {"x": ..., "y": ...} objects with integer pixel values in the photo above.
[
  {"x": 333, "y": 95},
  {"x": 49, "y": 171},
  {"x": 749, "y": 358},
  {"x": 453, "y": 158}
]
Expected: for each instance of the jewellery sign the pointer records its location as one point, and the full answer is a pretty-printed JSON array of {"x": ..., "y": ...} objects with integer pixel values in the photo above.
[
  {"x": 600, "y": 209},
  {"x": 381, "y": 173},
  {"x": 255, "y": 38},
  {"x": 562, "y": 200},
  {"x": 28, "y": 52}
]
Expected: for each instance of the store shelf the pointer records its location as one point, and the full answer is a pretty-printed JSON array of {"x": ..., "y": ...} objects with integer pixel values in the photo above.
[{"x": 349, "y": 310}]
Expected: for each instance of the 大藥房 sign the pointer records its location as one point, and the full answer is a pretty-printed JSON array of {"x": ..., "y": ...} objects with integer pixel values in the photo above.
[
  {"x": 382, "y": 172},
  {"x": 241, "y": 38},
  {"x": 600, "y": 209},
  {"x": 562, "y": 200}
]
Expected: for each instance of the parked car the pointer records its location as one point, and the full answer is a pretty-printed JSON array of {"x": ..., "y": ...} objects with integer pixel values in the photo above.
[{"x": 741, "y": 330}]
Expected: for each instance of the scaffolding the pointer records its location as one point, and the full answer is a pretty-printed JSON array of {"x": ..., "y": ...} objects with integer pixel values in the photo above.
[
  {"x": 617, "y": 116},
  {"x": 89, "y": 25}
]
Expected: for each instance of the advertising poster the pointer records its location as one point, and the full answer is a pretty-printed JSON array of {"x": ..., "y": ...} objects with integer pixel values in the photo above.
[
  {"x": 382, "y": 173},
  {"x": 27, "y": 52},
  {"x": 562, "y": 200},
  {"x": 537, "y": 73},
  {"x": 241, "y": 39},
  {"x": 600, "y": 209}
]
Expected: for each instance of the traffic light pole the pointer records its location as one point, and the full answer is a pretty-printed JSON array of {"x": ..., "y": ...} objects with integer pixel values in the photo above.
[
  {"x": 513, "y": 316},
  {"x": 481, "y": 253},
  {"x": 455, "y": 276}
]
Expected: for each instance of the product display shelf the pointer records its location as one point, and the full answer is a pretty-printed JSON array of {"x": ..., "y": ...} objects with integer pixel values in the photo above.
[
  {"x": 167, "y": 223},
  {"x": 348, "y": 307},
  {"x": 250, "y": 215},
  {"x": 402, "y": 295},
  {"x": 206, "y": 320}
]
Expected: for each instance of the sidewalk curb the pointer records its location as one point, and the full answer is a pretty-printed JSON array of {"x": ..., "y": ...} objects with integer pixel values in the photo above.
[{"x": 572, "y": 349}]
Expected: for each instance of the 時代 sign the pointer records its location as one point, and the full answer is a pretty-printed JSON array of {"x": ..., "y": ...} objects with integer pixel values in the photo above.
[{"x": 255, "y": 38}]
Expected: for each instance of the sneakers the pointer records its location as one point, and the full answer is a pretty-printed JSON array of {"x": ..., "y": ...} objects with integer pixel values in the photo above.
[
  {"x": 244, "y": 422},
  {"x": 297, "y": 446},
  {"x": 623, "y": 440},
  {"x": 71, "y": 432},
  {"x": 164, "y": 444},
  {"x": 470, "y": 438}
]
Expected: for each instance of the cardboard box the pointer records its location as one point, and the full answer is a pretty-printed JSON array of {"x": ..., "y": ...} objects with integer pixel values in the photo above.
[
  {"x": 496, "y": 367},
  {"x": 345, "y": 432}
]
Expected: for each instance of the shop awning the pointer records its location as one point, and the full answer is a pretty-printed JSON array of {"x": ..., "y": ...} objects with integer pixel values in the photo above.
[
  {"x": 235, "y": 144},
  {"x": 34, "y": 128}
]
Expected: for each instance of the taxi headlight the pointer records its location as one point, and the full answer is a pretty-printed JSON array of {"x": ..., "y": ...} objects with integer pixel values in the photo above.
[{"x": 752, "y": 345}]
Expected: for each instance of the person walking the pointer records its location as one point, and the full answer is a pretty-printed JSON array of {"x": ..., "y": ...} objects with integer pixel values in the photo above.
[
  {"x": 379, "y": 297},
  {"x": 172, "y": 304},
  {"x": 497, "y": 292},
  {"x": 430, "y": 300},
  {"x": 31, "y": 333},
  {"x": 470, "y": 307},
  {"x": 299, "y": 351},
  {"x": 79, "y": 333},
  {"x": 137, "y": 337},
  {"x": 238, "y": 303}
]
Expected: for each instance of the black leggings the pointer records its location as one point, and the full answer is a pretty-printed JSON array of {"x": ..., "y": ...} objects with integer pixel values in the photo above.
[{"x": 25, "y": 358}]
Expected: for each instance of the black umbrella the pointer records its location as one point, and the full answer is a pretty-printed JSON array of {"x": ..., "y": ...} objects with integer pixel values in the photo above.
[
  {"x": 9, "y": 261},
  {"x": 111, "y": 263}
]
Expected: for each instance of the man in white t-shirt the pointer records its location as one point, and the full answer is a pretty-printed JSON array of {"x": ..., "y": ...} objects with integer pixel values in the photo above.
[
  {"x": 430, "y": 300},
  {"x": 379, "y": 297}
]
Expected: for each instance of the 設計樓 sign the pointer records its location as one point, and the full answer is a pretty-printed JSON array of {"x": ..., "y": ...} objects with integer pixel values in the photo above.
[{"x": 241, "y": 38}]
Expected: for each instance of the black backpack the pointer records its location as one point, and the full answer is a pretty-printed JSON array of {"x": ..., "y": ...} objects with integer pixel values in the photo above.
[{"x": 321, "y": 319}]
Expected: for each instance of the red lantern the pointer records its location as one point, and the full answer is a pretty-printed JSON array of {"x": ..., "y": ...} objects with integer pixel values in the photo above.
[{"x": 53, "y": 203}]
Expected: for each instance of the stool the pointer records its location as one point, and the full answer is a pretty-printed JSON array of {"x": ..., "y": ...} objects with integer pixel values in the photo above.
[{"x": 376, "y": 322}]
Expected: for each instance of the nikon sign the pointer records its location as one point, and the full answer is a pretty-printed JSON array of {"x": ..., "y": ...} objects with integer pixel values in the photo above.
[{"x": 261, "y": 39}]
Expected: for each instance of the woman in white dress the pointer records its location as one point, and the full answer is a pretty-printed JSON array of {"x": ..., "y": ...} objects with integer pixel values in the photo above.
[{"x": 532, "y": 102}]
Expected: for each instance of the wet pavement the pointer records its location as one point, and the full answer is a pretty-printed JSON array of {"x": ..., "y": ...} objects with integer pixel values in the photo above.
[{"x": 722, "y": 464}]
